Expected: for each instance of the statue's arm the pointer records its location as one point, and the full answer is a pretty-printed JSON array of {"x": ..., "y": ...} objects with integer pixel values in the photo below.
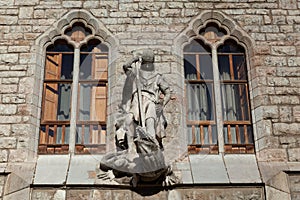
[
  {"x": 127, "y": 66},
  {"x": 165, "y": 89}
]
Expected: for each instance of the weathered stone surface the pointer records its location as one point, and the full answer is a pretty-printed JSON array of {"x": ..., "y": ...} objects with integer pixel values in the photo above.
[
  {"x": 143, "y": 6},
  {"x": 79, "y": 194},
  {"x": 47, "y": 165},
  {"x": 8, "y": 20},
  {"x": 3, "y": 156},
  {"x": 271, "y": 169},
  {"x": 273, "y": 26},
  {"x": 20, "y": 194},
  {"x": 22, "y": 129},
  {"x": 267, "y": 112},
  {"x": 5, "y": 130},
  {"x": 19, "y": 179},
  {"x": 26, "y": 12},
  {"x": 286, "y": 128},
  {"x": 272, "y": 155},
  {"x": 234, "y": 193},
  {"x": 42, "y": 194},
  {"x": 283, "y": 50},
  {"x": 6, "y": 2},
  {"x": 274, "y": 194},
  {"x": 294, "y": 154},
  {"x": 288, "y": 4},
  {"x": 72, "y": 4},
  {"x": 8, "y": 58},
  {"x": 102, "y": 194},
  {"x": 13, "y": 98},
  {"x": 284, "y": 100},
  {"x": 250, "y": 172},
  {"x": 8, "y": 109},
  {"x": 280, "y": 182},
  {"x": 208, "y": 169},
  {"x": 294, "y": 183},
  {"x": 8, "y": 142},
  {"x": 81, "y": 168}
]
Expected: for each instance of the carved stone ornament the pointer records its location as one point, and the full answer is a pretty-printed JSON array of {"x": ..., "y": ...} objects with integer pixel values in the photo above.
[{"x": 139, "y": 128}]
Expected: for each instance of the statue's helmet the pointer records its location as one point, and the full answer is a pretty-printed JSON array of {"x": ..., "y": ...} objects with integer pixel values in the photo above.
[{"x": 148, "y": 56}]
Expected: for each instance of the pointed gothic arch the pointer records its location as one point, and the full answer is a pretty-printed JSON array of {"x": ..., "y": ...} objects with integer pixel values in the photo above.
[
  {"x": 57, "y": 31},
  {"x": 231, "y": 31}
]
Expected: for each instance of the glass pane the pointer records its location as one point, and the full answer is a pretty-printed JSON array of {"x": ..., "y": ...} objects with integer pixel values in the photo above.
[
  {"x": 190, "y": 70},
  {"x": 206, "y": 67},
  {"x": 90, "y": 134},
  {"x": 242, "y": 135},
  {"x": 92, "y": 44},
  {"x": 235, "y": 102},
  {"x": 83, "y": 134},
  {"x": 250, "y": 134},
  {"x": 67, "y": 66},
  {"x": 230, "y": 136},
  {"x": 214, "y": 134},
  {"x": 57, "y": 98},
  {"x": 189, "y": 135},
  {"x": 197, "y": 46},
  {"x": 64, "y": 101},
  {"x": 233, "y": 135},
  {"x": 230, "y": 46},
  {"x": 197, "y": 134},
  {"x": 102, "y": 135},
  {"x": 225, "y": 132},
  {"x": 60, "y": 135},
  {"x": 60, "y": 46},
  {"x": 94, "y": 61},
  {"x": 200, "y": 105},
  {"x": 92, "y": 102},
  {"x": 85, "y": 66},
  {"x": 224, "y": 67},
  {"x": 85, "y": 102},
  {"x": 206, "y": 136},
  {"x": 78, "y": 135},
  {"x": 239, "y": 67}
]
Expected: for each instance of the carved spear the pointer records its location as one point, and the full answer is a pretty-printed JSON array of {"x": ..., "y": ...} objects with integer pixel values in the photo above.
[{"x": 139, "y": 93}]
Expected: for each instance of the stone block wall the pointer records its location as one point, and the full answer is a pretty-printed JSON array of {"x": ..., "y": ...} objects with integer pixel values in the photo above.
[
  {"x": 273, "y": 25},
  {"x": 256, "y": 193}
]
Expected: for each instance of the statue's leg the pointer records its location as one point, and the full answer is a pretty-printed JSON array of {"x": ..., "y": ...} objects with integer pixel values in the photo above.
[
  {"x": 150, "y": 127},
  {"x": 130, "y": 132}
]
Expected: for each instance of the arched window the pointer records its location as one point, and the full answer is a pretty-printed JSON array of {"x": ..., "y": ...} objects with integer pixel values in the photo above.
[
  {"x": 218, "y": 108},
  {"x": 201, "y": 120},
  {"x": 75, "y": 94},
  {"x": 234, "y": 94}
]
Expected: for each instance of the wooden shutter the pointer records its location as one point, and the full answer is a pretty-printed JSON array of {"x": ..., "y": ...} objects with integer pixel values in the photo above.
[
  {"x": 53, "y": 67},
  {"x": 100, "y": 62},
  {"x": 99, "y": 93},
  {"x": 98, "y": 106}
]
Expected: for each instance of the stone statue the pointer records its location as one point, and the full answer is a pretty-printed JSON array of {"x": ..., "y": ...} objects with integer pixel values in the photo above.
[{"x": 140, "y": 126}]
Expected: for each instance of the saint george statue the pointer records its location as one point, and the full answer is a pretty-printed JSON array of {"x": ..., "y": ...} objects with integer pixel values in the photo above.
[{"x": 140, "y": 125}]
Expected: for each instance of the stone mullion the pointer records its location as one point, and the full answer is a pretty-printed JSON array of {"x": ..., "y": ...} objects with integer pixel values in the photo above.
[
  {"x": 74, "y": 100},
  {"x": 218, "y": 101}
]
